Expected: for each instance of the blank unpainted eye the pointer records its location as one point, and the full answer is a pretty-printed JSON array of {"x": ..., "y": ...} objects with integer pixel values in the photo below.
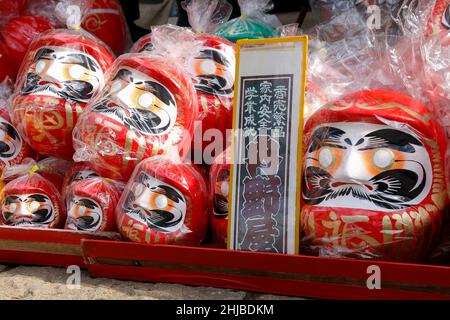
[
  {"x": 138, "y": 190},
  {"x": 161, "y": 202},
  {"x": 208, "y": 67},
  {"x": 34, "y": 206},
  {"x": 326, "y": 158},
  {"x": 12, "y": 207},
  {"x": 76, "y": 71},
  {"x": 145, "y": 100},
  {"x": 82, "y": 210},
  {"x": 224, "y": 189},
  {"x": 116, "y": 86},
  {"x": 383, "y": 158},
  {"x": 40, "y": 66}
]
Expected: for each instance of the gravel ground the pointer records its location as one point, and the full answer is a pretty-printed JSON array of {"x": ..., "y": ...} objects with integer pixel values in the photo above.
[{"x": 20, "y": 282}]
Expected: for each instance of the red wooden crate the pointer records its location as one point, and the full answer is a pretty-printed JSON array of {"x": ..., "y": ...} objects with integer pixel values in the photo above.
[
  {"x": 49, "y": 247},
  {"x": 293, "y": 275}
]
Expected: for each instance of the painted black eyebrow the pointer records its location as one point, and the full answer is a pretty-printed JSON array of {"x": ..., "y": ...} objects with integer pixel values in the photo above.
[
  {"x": 38, "y": 197},
  {"x": 80, "y": 59},
  {"x": 10, "y": 199},
  {"x": 158, "y": 90},
  {"x": 88, "y": 203},
  {"x": 171, "y": 193},
  {"x": 44, "y": 53},
  {"x": 392, "y": 139},
  {"x": 215, "y": 55},
  {"x": 323, "y": 136}
]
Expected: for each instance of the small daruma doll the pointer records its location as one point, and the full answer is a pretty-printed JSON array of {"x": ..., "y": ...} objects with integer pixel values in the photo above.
[
  {"x": 164, "y": 203},
  {"x": 373, "y": 178},
  {"x": 31, "y": 201},
  {"x": 219, "y": 188},
  {"x": 62, "y": 71},
  {"x": 147, "y": 107},
  {"x": 91, "y": 204}
]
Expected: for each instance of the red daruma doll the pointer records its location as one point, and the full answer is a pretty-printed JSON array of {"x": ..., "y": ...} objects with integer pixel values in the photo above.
[
  {"x": 62, "y": 71},
  {"x": 164, "y": 202},
  {"x": 373, "y": 179},
  {"x": 212, "y": 68},
  {"x": 147, "y": 107},
  {"x": 91, "y": 204},
  {"x": 31, "y": 201}
]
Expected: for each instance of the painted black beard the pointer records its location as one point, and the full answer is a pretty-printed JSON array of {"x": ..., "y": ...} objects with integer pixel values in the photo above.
[
  {"x": 73, "y": 90},
  {"x": 393, "y": 189},
  {"x": 141, "y": 121},
  {"x": 220, "y": 206},
  {"x": 213, "y": 85}
]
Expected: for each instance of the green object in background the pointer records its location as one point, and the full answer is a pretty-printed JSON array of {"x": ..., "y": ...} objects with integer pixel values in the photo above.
[{"x": 245, "y": 28}]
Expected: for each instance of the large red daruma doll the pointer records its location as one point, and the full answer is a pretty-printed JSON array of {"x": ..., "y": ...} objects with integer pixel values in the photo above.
[
  {"x": 219, "y": 188},
  {"x": 31, "y": 201},
  {"x": 214, "y": 72},
  {"x": 105, "y": 20},
  {"x": 147, "y": 107},
  {"x": 91, "y": 204},
  {"x": 164, "y": 203},
  {"x": 62, "y": 71},
  {"x": 373, "y": 178}
]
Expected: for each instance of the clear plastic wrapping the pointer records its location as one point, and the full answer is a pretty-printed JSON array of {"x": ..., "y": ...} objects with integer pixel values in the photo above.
[
  {"x": 61, "y": 72},
  {"x": 219, "y": 188},
  {"x": 254, "y": 22},
  {"x": 79, "y": 171},
  {"x": 374, "y": 182},
  {"x": 105, "y": 19},
  {"x": 91, "y": 204},
  {"x": 31, "y": 201},
  {"x": 147, "y": 107},
  {"x": 10, "y": 9},
  {"x": 206, "y": 15},
  {"x": 164, "y": 202}
]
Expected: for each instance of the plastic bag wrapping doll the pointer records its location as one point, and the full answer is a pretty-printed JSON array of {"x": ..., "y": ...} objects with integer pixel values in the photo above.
[
  {"x": 17, "y": 35},
  {"x": 219, "y": 188},
  {"x": 91, "y": 203},
  {"x": 345, "y": 56},
  {"x": 254, "y": 22},
  {"x": 147, "y": 107},
  {"x": 29, "y": 200},
  {"x": 62, "y": 71},
  {"x": 13, "y": 149},
  {"x": 373, "y": 178},
  {"x": 106, "y": 20},
  {"x": 213, "y": 68},
  {"x": 54, "y": 170},
  {"x": 440, "y": 17},
  {"x": 164, "y": 202}
]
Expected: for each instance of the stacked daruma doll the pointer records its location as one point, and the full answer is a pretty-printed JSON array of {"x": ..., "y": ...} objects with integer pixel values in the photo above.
[
  {"x": 62, "y": 71},
  {"x": 213, "y": 68},
  {"x": 164, "y": 202},
  {"x": 147, "y": 107},
  {"x": 373, "y": 179}
]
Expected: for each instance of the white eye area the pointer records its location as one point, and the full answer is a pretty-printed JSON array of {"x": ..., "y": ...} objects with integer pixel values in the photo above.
[
  {"x": 116, "y": 86},
  {"x": 145, "y": 100},
  {"x": 82, "y": 210},
  {"x": 34, "y": 206},
  {"x": 12, "y": 207},
  {"x": 76, "y": 72},
  {"x": 326, "y": 158},
  {"x": 383, "y": 158},
  {"x": 209, "y": 67},
  {"x": 40, "y": 66},
  {"x": 161, "y": 202},
  {"x": 138, "y": 190},
  {"x": 224, "y": 189}
]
